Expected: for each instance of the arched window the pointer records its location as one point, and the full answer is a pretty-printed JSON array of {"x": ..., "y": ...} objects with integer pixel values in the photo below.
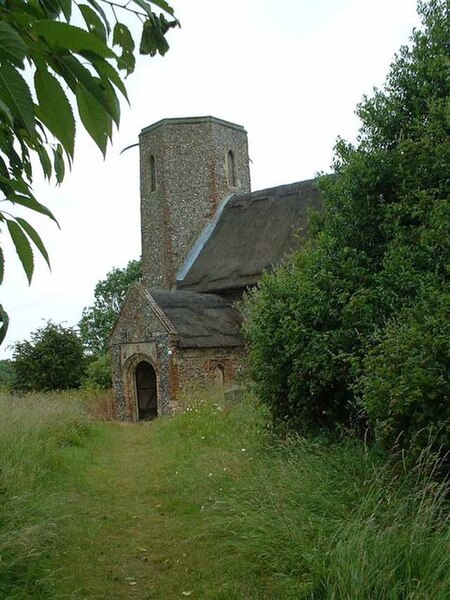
[
  {"x": 218, "y": 375},
  {"x": 231, "y": 170},
  {"x": 152, "y": 174}
]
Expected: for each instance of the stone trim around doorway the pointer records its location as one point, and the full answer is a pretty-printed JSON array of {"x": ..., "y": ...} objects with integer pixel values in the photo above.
[{"x": 129, "y": 376}]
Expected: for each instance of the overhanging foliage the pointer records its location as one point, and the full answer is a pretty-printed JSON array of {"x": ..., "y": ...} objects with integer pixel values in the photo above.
[{"x": 47, "y": 65}]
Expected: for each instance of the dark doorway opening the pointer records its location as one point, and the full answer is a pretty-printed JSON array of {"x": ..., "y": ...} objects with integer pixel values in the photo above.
[{"x": 146, "y": 391}]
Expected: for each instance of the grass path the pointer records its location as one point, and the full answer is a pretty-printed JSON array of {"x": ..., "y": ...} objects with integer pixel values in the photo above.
[
  {"x": 114, "y": 532},
  {"x": 139, "y": 514},
  {"x": 108, "y": 520}
]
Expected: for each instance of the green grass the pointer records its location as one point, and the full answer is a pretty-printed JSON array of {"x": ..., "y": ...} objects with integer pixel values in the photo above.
[
  {"x": 208, "y": 505},
  {"x": 34, "y": 434}
]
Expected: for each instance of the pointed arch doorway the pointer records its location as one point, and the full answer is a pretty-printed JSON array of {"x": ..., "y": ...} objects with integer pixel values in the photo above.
[{"x": 146, "y": 391}]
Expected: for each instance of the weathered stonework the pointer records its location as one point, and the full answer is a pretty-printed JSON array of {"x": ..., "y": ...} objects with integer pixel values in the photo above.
[
  {"x": 198, "y": 366},
  {"x": 201, "y": 367},
  {"x": 143, "y": 333},
  {"x": 205, "y": 239},
  {"x": 140, "y": 336},
  {"x": 184, "y": 176}
]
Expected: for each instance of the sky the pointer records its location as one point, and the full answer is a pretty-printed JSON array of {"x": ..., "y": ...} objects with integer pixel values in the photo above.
[{"x": 291, "y": 72}]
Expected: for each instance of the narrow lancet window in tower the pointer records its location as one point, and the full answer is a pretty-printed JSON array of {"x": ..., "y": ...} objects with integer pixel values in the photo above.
[
  {"x": 152, "y": 174},
  {"x": 231, "y": 170}
]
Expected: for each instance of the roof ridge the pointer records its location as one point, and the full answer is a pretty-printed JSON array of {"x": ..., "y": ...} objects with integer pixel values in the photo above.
[{"x": 160, "y": 314}]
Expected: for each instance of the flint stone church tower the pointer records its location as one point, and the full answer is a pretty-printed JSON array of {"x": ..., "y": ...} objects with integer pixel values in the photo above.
[
  {"x": 205, "y": 239},
  {"x": 187, "y": 167}
]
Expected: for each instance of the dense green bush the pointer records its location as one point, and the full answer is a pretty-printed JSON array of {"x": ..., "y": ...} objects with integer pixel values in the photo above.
[
  {"x": 6, "y": 374},
  {"x": 98, "y": 373},
  {"x": 405, "y": 386},
  {"x": 320, "y": 329},
  {"x": 52, "y": 360}
]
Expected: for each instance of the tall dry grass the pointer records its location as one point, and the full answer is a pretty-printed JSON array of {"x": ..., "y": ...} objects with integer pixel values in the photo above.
[{"x": 34, "y": 430}]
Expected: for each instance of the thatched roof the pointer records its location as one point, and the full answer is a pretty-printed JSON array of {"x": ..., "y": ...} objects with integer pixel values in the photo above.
[
  {"x": 252, "y": 232},
  {"x": 200, "y": 320}
]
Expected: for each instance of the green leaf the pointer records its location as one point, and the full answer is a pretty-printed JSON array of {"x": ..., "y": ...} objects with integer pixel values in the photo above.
[
  {"x": 4, "y": 110},
  {"x": 16, "y": 94},
  {"x": 102, "y": 93},
  {"x": 15, "y": 162},
  {"x": 123, "y": 38},
  {"x": 46, "y": 163},
  {"x": 51, "y": 7},
  {"x": 108, "y": 72},
  {"x": 12, "y": 46},
  {"x": 101, "y": 12},
  {"x": 31, "y": 203},
  {"x": 3, "y": 167},
  {"x": 2, "y": 269},
  {"x": 93, "y": 22},
  {"x": 18, "y": 185},
  {"x": 163, "y": 5},
  {"x": 55, "y": 110},
  {"x": 146, "y": 7},
  {"x": 153, "y": 40},
  {"x": 94, "y": 117},
  {"x": 65, "y": 37},
  {"x": 26, "y": 161},
  {"x": 166, "y": 25},
  {"x": 34, "y": 236},
  {"x": 58, "y": 163},
  {"x": 126, "y": 62},
  {"x": 23, "y": 248},
  {"x": 66, "y": 6},
  {"x": 4, "y": 320}
]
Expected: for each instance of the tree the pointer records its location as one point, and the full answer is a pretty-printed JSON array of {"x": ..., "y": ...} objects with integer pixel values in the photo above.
[
  {"x": 6, "y": 374},
  {"x": 98, "y": 373},
  {"x": 97, "y": 320},
  {"x": 322, "y": 330},
  {"x": 51, "y": 360},
  {"x": 46, "y": 65}
]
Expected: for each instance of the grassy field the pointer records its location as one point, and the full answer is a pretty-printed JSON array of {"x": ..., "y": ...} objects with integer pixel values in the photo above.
[{"x": 208, "y": 505}]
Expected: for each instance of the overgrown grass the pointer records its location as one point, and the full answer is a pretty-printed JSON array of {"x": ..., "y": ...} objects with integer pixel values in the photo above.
[
  {"x": 34, "y": 430},
  {"x": 298, "y": 518},
  {"x": 208, "y": 503}
]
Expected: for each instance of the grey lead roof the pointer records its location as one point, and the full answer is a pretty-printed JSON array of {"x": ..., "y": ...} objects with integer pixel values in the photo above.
[
  {"x": 200, "y": 320},
  {"x": 254, "y": 232}
]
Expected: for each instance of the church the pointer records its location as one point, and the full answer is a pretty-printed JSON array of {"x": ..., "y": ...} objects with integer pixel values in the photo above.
[{"x": 206, "y": 238}]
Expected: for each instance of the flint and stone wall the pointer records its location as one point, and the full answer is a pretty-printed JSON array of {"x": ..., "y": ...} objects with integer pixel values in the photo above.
[
  {"x": 139, "y": 335},
  {"x": 187, "y": 167},
  {"x": 202, "y": 366},
  {"x": 184, "y": 176},
  {"x": 199, "y": 367}
]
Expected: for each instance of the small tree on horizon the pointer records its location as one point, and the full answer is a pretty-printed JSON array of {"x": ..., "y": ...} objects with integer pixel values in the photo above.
[
  {"x": 53, "y": 359},
  {"x": 97, "y": 320}
]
